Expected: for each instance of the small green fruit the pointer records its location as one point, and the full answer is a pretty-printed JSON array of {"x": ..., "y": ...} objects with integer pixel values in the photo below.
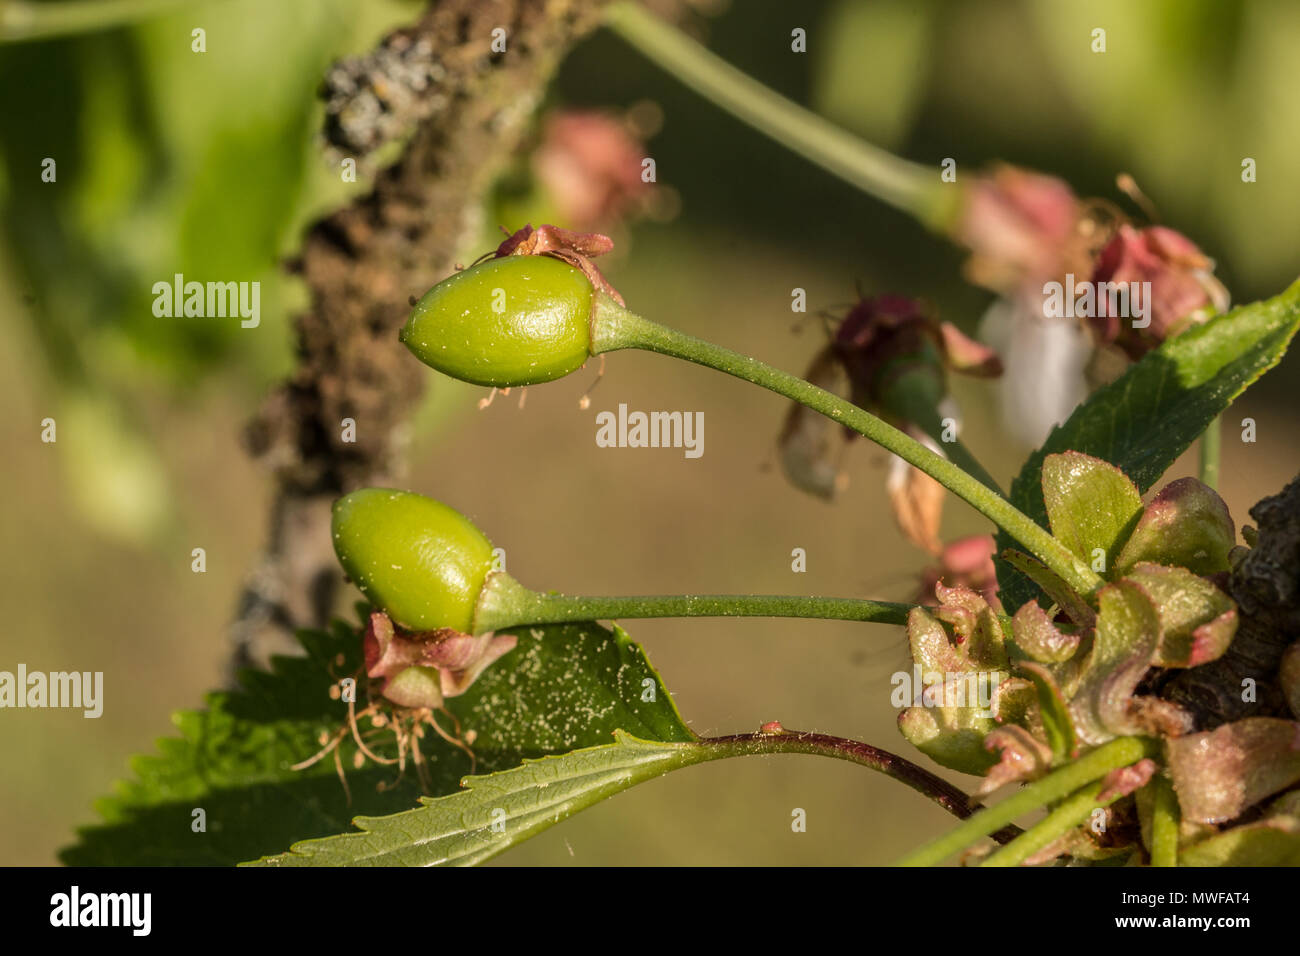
[
  {"x": 516, "y": 320},
  {"x": 414, "y": 557}
]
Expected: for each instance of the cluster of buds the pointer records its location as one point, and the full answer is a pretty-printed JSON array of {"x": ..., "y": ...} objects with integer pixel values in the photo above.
[{"x": 1087, "y": 670}]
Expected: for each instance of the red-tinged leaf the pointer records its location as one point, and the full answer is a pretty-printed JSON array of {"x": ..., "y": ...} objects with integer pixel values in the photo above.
[{"x": 1186, "y": 525}]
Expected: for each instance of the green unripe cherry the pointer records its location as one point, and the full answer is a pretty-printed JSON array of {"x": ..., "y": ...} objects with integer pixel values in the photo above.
[
  {"x": 516, "y": 320},
  {"x": 415, "y": 558}
]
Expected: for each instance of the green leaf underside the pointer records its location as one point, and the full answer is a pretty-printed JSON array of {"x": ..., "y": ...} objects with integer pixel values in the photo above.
[
  {"x": 562, "y": 688},
  {"x": 496, "y": 811},
  {"x": 1145, "y": 419}
]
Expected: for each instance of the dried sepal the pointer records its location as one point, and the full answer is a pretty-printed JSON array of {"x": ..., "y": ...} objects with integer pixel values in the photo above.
[
  {"x": 812, "y": 445},
  {"x": 1021, "y": 757},
  {"x": 420, "y": 669},
  {"x": 917, "y": 502},
  {"x": 575, "y": 248}
]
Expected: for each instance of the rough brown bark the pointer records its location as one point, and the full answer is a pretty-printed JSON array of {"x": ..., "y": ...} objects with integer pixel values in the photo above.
[
  {"x": 466, "y": 110},
  {"x": 1266, "y": 587}
]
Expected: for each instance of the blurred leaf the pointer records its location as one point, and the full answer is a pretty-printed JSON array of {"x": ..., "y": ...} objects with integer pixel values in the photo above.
[
  {"x": 1145, "y": 419},
  {"x": 115, "y": 476},
  {"x": 497, "y": 811},
  {"x": 169, "y": 161},
  {"x": 562, "y": 688}
]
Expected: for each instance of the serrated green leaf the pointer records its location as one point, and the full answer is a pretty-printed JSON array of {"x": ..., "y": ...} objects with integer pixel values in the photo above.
[
  {"x": 1146, "y": 418},
  {"x": 496, "y": 811},
  {"x": 561, "y": 688}
]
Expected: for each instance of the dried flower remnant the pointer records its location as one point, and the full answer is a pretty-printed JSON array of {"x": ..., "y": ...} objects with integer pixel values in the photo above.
[
  {"x": 575, "y": 248},
  {"x": 1184, "y": 291},
  {"x": 1025, "y": 229},
  {"x": 458, "y": 659},
  {"x": 966, "y": 562},
  {"x": 1020, "y": 227},
  {"x": 891, "y": 357}
]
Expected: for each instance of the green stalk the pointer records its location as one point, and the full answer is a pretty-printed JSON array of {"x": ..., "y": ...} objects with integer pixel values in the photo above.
[
  {"x": 615, "y": 328},
  {"x": 908, "y": 403},
  {"x": 908, "y": 186},
  {"x": 1164, "y": 824},
  {"x": 1065, "y": 816},
  {"x": 1055, "y": 786},
  {"x": 505, "y": 602},
  {"x": 25, "y": 20},
  {"x": 1211, "y": 448}
]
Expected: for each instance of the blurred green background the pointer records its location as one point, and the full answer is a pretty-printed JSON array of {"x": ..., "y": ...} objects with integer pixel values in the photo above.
[{"x": 170, "y": 161}]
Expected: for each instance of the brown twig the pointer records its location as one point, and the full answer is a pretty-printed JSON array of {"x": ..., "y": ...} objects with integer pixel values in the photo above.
[
  {"x": 945, "y": 794},
  {"x": 466, "y": 110}
]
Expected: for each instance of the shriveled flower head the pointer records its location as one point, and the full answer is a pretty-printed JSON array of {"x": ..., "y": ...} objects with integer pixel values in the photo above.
[
  {"x": 886, "y": 347},
  {"x": 1183, "y": 288},
  {"x": 419, "y": 670},
  {"x": 888, "y": 336}
]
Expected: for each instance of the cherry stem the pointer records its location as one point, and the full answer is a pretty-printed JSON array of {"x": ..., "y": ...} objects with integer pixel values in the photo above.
[
  {"x": 614, "y": 327},
  {"x": 899, "y": 768},
  {"x": 908, "y": 186},
  {"x": 1164, "y": 823},
  {"x": 504, "y": 602},
  {"x": 25, "y": 20}
]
